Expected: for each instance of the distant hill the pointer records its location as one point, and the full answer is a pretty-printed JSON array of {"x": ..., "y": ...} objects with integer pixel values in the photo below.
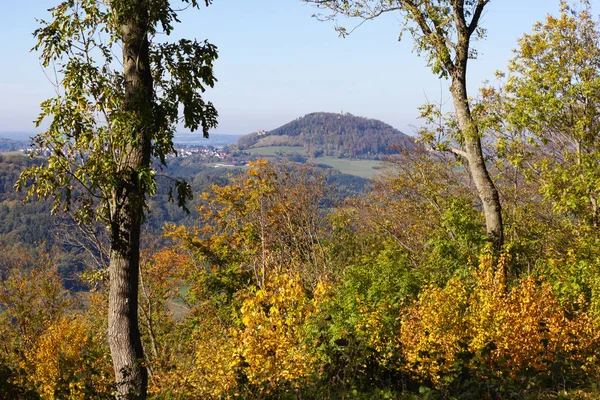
[
  {"x": 329, "y": 134},
  {"x": 12, "y": 145},
  {"x": 20, "y": 136}
]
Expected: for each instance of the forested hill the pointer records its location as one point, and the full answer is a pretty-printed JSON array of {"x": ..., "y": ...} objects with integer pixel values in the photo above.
[
  {"x": 10, "y": 145},
  {"x": 331, "y": 134}
]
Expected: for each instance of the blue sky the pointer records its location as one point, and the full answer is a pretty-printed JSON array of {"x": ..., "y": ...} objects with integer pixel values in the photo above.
[{"x": 276, "y": 63}]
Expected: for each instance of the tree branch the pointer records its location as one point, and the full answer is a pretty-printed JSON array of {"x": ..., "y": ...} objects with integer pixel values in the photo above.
[
  {"x": 458, "y": 152},
  {"x": 477, "y": 15},
  {"x": 437, "y": 40}
]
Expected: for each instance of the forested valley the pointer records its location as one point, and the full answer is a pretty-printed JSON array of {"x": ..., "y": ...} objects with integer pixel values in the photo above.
[{"x": 468, "y": 267}]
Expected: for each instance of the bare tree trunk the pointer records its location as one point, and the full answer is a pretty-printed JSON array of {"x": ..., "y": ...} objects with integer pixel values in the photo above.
[
  {"x": 486, "y": 189},
  {"x": 127, "y": 206}
]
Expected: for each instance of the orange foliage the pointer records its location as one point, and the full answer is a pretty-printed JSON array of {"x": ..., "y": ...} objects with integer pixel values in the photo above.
[
  {"x": 524, "y": 329},
  {"x": 435, "y": 329}
]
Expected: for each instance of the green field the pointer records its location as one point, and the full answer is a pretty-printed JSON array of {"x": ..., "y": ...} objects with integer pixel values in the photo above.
[
  {"x": 12, "y": 153},
  {"x": 274, "y": 150},
  {"x": 362, "y": 168}
]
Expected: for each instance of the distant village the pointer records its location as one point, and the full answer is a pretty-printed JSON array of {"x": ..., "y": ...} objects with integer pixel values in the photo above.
[
  {"x": 209, "y": 154},
  {"x": 219, "y": 153},
  {"x": 201, "y": 151},
  {"x": 181, "y": 152}
]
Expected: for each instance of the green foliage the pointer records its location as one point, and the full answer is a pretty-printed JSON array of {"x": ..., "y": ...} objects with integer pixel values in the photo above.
[
  {"x": 356, "y": 330},
  {"x": 551, "y": 101},
  {"x": 388, "y": 243},
  {"x": 574, "y": 272},
  {"x": 460, "y": 221},
  {"x": 91, "y": 134}
]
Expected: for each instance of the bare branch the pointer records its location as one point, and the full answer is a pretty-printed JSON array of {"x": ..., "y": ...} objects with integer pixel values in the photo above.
[
  {"x": 458, "y": 152},
  {"x": 477, "y": 15}
]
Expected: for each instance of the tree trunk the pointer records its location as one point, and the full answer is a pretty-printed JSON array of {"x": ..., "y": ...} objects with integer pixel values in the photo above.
[
  {"x": 486, "y": 190},
  {"x": 123, "y": 331},
  {"x": 127, "y": 205}
]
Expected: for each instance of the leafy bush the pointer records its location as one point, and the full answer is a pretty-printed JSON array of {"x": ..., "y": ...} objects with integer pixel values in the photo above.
[{"x": 509, "y": 339}]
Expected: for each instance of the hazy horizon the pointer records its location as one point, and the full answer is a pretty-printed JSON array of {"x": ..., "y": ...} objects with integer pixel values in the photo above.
[
  {"x": 181, "y": 138},
  {"x": 286, "y": 64},
  {"x": 183, "y": 135}
]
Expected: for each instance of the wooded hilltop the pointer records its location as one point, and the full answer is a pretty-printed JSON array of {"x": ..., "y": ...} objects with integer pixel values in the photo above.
[
  {"x": 340, "y": 135},
  {"x": 464, "y": 265}
]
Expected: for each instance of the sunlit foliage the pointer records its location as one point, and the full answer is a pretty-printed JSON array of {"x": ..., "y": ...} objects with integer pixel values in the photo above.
[
  {"x": 489, "y": 331},
  {"x": 48, "y": 347},
  {"x": 279, "y": 292}
]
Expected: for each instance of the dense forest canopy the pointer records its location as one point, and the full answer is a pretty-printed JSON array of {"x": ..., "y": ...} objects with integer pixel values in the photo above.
[
  {"x": 332, "y": 134},
  {"x": 278, "y": 285}
]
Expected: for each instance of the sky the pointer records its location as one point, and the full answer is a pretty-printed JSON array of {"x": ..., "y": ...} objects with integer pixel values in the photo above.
[{"x": 277, "y": 63}]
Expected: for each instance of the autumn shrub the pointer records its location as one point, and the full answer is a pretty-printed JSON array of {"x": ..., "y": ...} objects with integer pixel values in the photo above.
[
  {"x": 509, "y": 338},
  {"x": 67, "y": 362},
  {"x": 254, "y": 268},
  {"x": 261, "y": 350},
  {"x": 200, "y": 362},
  {"x": 49, "y": 349},
  {"x": 31, "y": 300},
  {"x": 272, "y": 348},
  {"x": 434, "y": 331}
]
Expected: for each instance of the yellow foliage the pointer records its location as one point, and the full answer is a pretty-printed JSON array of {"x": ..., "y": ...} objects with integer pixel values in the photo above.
[
  {"x": 434, "y": 329},
  {"x": 271, "y": 341},
  {"x": 59, "y": 361},
  {"x": 266, "y": 350},
  {"x": 510, "y": 331},
  {"x": 204, "y": 367},
  {"x": 216, "y": 363},
  {"x": 264, "y": 219}
]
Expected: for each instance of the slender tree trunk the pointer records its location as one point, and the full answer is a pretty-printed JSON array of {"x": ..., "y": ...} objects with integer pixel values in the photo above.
[
  {"x": 123, "y": 331},
  {"x": 127, "y": 206},
  {"x": 486, "y": 189}
]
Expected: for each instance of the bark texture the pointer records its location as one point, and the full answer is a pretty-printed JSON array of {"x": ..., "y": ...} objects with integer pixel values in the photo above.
[{"x": 127, "y": 206}]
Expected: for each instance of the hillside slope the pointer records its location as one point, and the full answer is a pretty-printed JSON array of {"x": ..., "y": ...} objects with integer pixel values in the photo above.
[{"x": 330, "y": 134}]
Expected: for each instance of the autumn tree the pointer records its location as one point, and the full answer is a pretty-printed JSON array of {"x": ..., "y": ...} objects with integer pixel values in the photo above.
[
  {"x": 48, "y": 348},
  {"x": 109, "y": 120},
  {"x": 551, "y": 103},
  {"x": 266, "y": 222},
  {"x": 443, "y": 31}
]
